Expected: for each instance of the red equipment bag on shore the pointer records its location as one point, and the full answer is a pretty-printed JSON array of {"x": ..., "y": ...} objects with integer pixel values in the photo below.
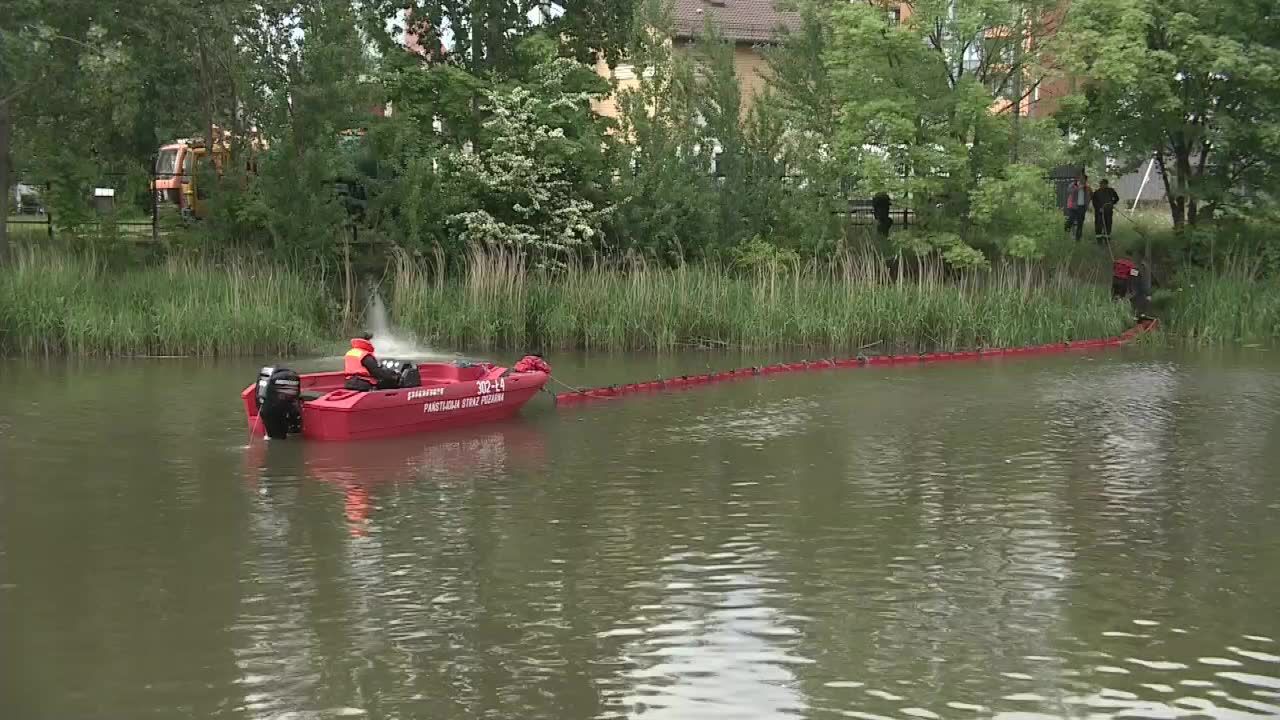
[{"x": 532, "y": 363}]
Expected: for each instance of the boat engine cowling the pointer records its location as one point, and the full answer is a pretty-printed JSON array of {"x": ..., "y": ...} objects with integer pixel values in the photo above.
[
  {"x": 279, "y": 401},
  {"x": 407, "y": 371}
]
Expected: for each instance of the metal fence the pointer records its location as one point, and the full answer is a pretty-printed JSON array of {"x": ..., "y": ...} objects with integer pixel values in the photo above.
[
  {"x": 138, "y": 212},
  {"x": 120, "y": 199}
]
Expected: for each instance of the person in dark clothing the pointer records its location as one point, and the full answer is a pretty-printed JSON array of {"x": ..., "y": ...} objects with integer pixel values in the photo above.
[
  {"x": 880, "y": 205},
  {"x": 1078, "y": 197},
  {"x": 1133, "y": 282},
  {"x": 1142, "y": 288},
  {"x": 1105, "y": 199},
  {"x": 362, "y": 368}
]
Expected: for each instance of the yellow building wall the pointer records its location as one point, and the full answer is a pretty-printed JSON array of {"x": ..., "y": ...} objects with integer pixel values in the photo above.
[{"x": 749, "y": 65}]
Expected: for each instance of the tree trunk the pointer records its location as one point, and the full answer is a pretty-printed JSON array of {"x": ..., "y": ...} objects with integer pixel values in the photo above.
[
  {"x": 477, "y": 37},
  {"x": 1185, "y": 192},
  {"x": 1016, "y": 135},
  {"x": 4, "y": 182},
  {"x": 1176, "y": 206}
]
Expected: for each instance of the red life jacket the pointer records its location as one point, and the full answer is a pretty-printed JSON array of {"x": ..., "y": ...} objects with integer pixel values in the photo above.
[
  {"x": 1123, "y": 269},
  {"x": 353, "y": 361}
]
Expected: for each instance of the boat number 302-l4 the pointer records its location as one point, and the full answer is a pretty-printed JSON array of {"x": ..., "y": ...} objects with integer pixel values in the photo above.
[{"x": 484, "y": 387}]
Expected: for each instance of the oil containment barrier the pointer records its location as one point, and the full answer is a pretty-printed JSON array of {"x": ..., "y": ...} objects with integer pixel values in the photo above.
[{"x": 610, "y": 392}]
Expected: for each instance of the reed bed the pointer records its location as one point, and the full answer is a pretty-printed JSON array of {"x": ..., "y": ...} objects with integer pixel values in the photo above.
[
  {"x": 1229, "y": 305},
  {"x": 62, "y": 303},
  {"x": 59, "y": 303},
  {"x": 847, "y": 303}
]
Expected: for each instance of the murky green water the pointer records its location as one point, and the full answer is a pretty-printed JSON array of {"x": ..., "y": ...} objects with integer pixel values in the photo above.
[{"x": 1068, "y": 537}]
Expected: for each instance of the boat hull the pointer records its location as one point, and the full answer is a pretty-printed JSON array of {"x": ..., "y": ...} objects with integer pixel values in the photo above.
[{"x": 449, "y": 397}]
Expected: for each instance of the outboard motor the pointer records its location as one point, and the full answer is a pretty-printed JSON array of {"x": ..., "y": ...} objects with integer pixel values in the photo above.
[
  {"x": 408, "y": 372},
  {"x": 279, "y": 401}
]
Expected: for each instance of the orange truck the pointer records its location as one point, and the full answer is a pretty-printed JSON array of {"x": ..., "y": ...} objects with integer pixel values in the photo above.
[
  {"x": 179, "y": 167},
  {"x": 172, "y": 163}
]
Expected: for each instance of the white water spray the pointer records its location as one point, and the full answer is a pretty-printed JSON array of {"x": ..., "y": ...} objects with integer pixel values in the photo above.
[{"x": 389, "y": 342}]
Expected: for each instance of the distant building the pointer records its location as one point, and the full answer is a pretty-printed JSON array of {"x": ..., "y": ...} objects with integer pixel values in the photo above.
[
  {"x": 755, "y": 25},
  {"x": 751, "y": 25}
]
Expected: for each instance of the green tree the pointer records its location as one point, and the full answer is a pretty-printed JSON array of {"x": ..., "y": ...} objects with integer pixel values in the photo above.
[
  {"x": 42, "y": 47},
  {"x": 595, "y": 28},
  {"x": 666, "y": 197},
  {"x": 933, "y": 98},
  {"x": 534, "y": 186},
  {"x": 1196, "y": 85},
  {"x": 795, "y": 123}
]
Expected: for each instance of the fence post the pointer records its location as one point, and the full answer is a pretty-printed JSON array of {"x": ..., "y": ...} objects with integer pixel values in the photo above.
[{"x": 155, "y": 204}]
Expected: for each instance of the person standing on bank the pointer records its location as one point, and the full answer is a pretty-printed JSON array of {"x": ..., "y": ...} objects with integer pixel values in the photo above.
[
  {"x": 1078, "y": 197},
  {"x": 1105, "y": 199},
  {"x": 880, "y": 204}
]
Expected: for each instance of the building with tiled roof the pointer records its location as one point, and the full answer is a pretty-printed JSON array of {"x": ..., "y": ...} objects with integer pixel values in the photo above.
[
  {"x": 751, "y": 25},
  {"x": 743, "y": 21}
]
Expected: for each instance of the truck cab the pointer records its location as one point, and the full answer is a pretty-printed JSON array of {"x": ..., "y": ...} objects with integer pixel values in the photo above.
[{"x": 172, "y": 160}]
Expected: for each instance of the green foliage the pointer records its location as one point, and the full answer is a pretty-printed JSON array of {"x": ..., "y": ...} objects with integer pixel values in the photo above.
[
  {"x": 666, "y": 197},
  {"x": 1015, "y": 213},
  {"x": 1197, "y": 84},
  {"x": 963, "y": 257},
  {"x": 759, "y": 255},
  {"x": 925, "y": 104},
  {"x": 534, "y": 187},
  {"x": 494, "y": 144}
]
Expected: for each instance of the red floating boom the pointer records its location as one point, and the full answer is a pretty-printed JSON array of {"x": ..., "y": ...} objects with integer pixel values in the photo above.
[{"x": 684, "y": 381}]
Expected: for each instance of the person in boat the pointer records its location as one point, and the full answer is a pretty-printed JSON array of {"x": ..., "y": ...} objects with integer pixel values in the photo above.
[{"x": 362, "y": 368}]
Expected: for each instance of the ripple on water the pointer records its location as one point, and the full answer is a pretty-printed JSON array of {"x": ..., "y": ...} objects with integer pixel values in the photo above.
[
  {"x": 1255, "y": 655},
  {"x": 1219, "y": 662}
]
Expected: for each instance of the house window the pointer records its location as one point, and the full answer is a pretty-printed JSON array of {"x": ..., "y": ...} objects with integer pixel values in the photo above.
[
  {"x": 895, "y": 15},
  {"x": 972, "y": 58},
  {"x": 624, "y": 71}
]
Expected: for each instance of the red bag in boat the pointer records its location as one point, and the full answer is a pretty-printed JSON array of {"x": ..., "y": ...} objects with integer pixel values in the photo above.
[{"x": 532, "y": 363}]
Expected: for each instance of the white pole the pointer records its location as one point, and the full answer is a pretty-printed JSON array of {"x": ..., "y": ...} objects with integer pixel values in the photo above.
[{"x": 1145, "y": 177}]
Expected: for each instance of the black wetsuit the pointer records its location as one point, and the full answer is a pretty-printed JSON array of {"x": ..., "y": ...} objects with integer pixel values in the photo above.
[
  {"x": 1104, "y": 207},
  {"x": 880, "y": 209}
]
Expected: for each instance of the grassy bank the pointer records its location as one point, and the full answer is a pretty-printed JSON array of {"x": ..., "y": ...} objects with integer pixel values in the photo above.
[
  {"x": 1217, "y": 308},
  {"x": 848, "y": 304},
  {"x": 58, "y": 303},
  {"x": 62, "y": 303}
]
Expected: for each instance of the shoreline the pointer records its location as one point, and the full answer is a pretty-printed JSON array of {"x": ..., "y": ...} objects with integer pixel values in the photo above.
[{"x": 59, "y": 305}]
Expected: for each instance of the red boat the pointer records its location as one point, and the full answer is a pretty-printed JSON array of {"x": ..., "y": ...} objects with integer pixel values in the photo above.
[{"x": 441, "y": 395}]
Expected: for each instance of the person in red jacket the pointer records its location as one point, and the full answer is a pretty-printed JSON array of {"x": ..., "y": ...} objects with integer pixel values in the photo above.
[
  {"x": 362, "y": 368},
  {"x": 1078, "y": 197}
]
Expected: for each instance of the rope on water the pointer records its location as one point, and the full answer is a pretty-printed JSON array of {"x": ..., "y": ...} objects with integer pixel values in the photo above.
[{"x": 566, "y": 385}]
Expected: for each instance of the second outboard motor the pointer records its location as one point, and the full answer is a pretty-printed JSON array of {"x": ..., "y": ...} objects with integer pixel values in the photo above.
[{"x": 279, "y": 401}]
